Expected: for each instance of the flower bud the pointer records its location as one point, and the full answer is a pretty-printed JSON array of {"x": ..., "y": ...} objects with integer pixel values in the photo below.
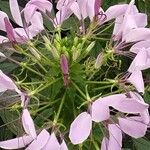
[
  {"x": 64, "y": 64},
  {"x": 99, "y": 60}
]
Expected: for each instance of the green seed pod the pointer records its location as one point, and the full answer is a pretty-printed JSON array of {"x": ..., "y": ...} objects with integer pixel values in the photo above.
[
  {"x": 76, "y": 54},
  {"x": 75, "y": 42},
  {"x": 99, "y": 60}
]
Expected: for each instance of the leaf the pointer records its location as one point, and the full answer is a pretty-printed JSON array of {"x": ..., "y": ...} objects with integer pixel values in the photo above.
[
  {"x": 43, "y": 116},
  {"x": 141, "y": 144},
  {"x": 12, "y": 121}
]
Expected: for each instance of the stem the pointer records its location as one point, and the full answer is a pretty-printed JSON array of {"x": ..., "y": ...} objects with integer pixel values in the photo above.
[
  {"x": 59, "y": 110},
  {"x": 78, "y": 89},
  {"x": 103, "y": 87},
  {"x": 21, "y": 64},
  {"x": 98, "y": 82},
  {"x": 42, "y": 88}
]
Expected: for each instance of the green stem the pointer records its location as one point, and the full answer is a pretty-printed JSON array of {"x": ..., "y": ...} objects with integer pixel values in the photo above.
[
  {"x": 98, "y": 82},
  {"x": 103, "y": 87},
  {"x": 30, "y": 69},
  {"x": 59, "y": 109},
  {"x": 78, "y": 89},
  {"x": 39, "y": 89}
]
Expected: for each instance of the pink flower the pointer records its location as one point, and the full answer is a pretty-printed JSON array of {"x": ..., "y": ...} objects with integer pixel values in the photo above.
[
  {"x": 100, "y": 111},
  {"x": 33, "y": 5},
  {"x": 90, "y": 8},
  {"x": 129, "y": 20},
  {"x": 43, "y": 141},
  {"x": 23, "y": 33}
]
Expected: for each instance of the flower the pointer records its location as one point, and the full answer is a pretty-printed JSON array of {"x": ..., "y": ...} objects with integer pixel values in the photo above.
[
  {"x": 127, "y": 21},
  {"x": 100, "y": 111},
  {"x": 43, "y": 141},
  {"x": 22, "y": 33}
]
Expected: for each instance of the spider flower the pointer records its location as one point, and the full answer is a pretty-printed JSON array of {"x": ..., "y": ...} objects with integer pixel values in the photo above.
[
  {"x": 24, "y": 32},
  {"x": 43, "y": 141},
  {"x": 100, "y": 111},
  {"x": 130, "y": 19}
]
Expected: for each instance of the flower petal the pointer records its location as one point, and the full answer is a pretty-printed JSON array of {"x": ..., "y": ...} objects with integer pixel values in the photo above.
[
  {"x": 3, "y": 39},
  {"x": 138, "y": 46},
  {"x": 132, "y": 127},
  {"x": 2, "y": 24},
  {"x": 6, "y": 83},
  {"x": 115, "y": 11},
  {"x": 104, "y": 144},
  {"x": 80, "y": 128},
  {"x": 115, "y": 137},
  {"x": 100, "y": 111},
  {"x": 16, "y": 143},
  {"x": 137, "y": 34},
  {"x": 14, "y": 8},
  {"x": 76, "y": 10},
  {"x": 136, "y": 79},
  {"x": 28, "y": 124},
  {"x": 52, "y": 143},
  {"x": 63, "y": 146},
  {"x": 40, "y": 141}
]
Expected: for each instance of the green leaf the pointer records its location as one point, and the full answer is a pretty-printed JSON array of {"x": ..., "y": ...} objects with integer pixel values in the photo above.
[
  {"x": 142, "y": 144},
  {"x": 43, "y": 116}
]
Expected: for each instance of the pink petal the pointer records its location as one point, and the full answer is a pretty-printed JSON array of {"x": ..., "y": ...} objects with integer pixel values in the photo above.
[
  {"x": 42, "y": 5},
  {"x": 104, "y": 144},
  {"x": 100, "y": 111},
  {"x": 28, "y": 16},
  {"x": 91, "y": 9},
  {"x": 129, "y": 106},
  {"x": 63, "y": 146},
  {"x": 115, "y": 137},
  {"x": 115, "y": 11},
  {"x": 6, "y": 83},
  {"x": 40, "y": 141},
  {"x": 140, "y": 62},
  {"x": 138, "y": 46},
  {"x": 36, "y": 25},
  {"x": 3, "y": 39},
  {"x": 63, "y": 14},
  {"x": 14, "y": 8},
  {"x": 76, "y": 10},
  {"x": 52, "y": 143},
  {"x": 16, "y": 143},
  {"x": 137, "y": 34},
  {"x": 136, "y": 79},
  {"x": 132, "y": 127},
  {"x": 80, "y": 128},
  {"x": 28, "y": 124},
  {"x": 2, "y": 24},
  {"x": 141, "y": 19},
  {"x": 9, "y": 30},
  {"x": 21, "y": 35},
  {"x": 83, "y": 8},
  {"x": 117, "y": 32}
]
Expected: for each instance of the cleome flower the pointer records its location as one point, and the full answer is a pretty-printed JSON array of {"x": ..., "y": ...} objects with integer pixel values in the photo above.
[{"x": 100, "y": 112}]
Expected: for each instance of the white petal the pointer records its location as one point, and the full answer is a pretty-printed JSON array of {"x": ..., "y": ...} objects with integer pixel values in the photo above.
[
  {"x": 16, "y": 143},
  {"x": 14, "y": 8},
  {"x": 80, "y": 128},
  {"x": 40, "y": 141},
  {"x": 28, "y": 124}
]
